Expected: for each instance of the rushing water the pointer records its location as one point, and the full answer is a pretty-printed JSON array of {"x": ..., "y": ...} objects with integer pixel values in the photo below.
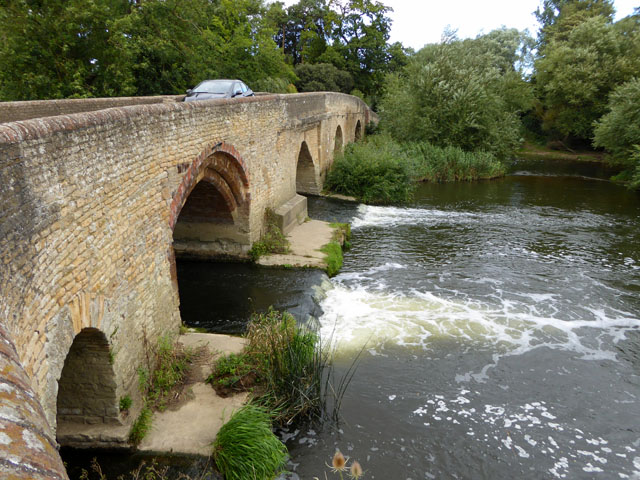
[
  {"x": 501, "y": 328},
  {"x": 499, "y": 324}
]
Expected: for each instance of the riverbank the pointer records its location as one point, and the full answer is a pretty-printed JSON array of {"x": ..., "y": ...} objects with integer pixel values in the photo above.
[{"x": 538, "y": 152}]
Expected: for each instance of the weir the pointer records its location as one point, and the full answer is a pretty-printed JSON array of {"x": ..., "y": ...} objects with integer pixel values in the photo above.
[{"x": 95, "y": 205}]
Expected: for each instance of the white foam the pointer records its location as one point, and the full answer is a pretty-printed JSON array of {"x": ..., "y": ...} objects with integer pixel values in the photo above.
[
  {"x": 372, "y": 216},
  {"x": 356, "y": 315}
]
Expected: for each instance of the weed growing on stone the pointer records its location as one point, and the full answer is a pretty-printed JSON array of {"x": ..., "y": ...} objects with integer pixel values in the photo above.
[
  {"x": 272, "y": 241},
  {"x": 246, "y": 447},
  {"x": 125, "y": 403},
  {"x": 233, "y": 373},
  {"x": 166, "y": 371},
  {"x": 140, "y": 426}
]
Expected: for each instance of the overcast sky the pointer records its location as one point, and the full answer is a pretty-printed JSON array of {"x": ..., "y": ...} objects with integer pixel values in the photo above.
[{"x": 418, "y": 22}]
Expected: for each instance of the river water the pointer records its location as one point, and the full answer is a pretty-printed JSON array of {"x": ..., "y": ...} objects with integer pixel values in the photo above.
[{"x": 499, "y": 324}]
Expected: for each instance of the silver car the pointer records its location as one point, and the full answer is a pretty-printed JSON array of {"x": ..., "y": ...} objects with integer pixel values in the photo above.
[{"x": 210, "y": 89}]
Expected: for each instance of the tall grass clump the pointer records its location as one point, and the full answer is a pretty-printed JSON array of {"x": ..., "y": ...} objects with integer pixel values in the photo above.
[
  {"x": 246, "y": 447},
  {"x": 450, "y": 164},
  {"x": 291, "y": 366},
  {"x": 383, "y": 171},
  {"x": 284, "y": 366},
  {"x": 374, "y": 171}
]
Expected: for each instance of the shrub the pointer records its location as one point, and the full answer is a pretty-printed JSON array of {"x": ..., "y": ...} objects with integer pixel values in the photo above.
[
  {"x": 273, "y": 85},
  {"x": 619, "y": 130},
  {"x": 246, "y": 448},
  {"x": 374, "y": 171}
]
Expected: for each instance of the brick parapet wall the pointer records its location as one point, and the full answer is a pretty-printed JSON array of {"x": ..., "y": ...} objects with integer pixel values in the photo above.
[
  {"x": 26, "y": 110},
  {"x": 28, "y": 447},
  {"x": 86, "y": 218}
]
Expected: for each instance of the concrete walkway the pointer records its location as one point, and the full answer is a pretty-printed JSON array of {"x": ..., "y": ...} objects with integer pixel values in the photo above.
[
  {"x": 305, "y": 241},
  {"x": 192, "y": 427}
]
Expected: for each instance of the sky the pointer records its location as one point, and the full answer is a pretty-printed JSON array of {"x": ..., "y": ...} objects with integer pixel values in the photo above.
[{"x": 418, "y": 22}]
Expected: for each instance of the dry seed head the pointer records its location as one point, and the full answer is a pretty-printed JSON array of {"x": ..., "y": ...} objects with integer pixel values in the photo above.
[
  {"x": 356, "y": 470},
  {"x": 339, "y": 462}
]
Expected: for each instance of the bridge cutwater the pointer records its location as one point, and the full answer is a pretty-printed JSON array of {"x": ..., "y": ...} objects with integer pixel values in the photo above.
[{"x": 97, "y": 196}]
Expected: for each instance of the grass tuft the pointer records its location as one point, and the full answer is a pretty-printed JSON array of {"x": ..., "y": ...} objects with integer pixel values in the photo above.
[
  {"x": 333, "y": 252},
  {"x": 246, "y": 448},
  {"x": 289, "y": 366}
]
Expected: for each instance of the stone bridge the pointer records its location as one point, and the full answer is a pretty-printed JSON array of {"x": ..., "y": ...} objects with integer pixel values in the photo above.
[{"x": 95, "y": 200}]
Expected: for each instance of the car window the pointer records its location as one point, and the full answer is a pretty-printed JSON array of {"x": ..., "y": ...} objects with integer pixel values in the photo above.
[
  {"x": 214, "y": 86},
  {"x": 244, "y": 87}
]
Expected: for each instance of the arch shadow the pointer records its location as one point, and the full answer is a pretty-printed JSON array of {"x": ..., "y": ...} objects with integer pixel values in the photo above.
[
  {"x": 87, "y": 385},
  {"x": 358, "y": 133},
  {"x": 210, "y": 210},
  {"x": 306, "y": 178},
  {"x": 338, "y": 142}
]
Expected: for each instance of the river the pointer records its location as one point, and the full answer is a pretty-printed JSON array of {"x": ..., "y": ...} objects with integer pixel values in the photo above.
[{"x": 499, "y": 324}]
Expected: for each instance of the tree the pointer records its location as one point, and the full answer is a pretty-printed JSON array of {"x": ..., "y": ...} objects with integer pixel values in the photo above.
[
  {"x": 618, "y": 131},
  {"x": 465, "y": 94},
  {"x": 578, "y": 70},
  {"x": 557, "y": 17},
  {"x": 361, "y": 31},
  {"x": 58, "y": 49},
  {"x": 322, "y": 77}
]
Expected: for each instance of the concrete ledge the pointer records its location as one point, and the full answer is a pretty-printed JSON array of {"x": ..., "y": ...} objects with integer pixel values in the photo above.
[
  {"x": 306, "y": 242},
  {"x": 291, "y": 213},
  {"x": 191, "y": 428}
]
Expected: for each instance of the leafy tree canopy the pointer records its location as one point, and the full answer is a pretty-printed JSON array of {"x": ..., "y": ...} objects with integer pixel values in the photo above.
[
  {"x": 579, "y": 67},
  {"x": 67, "y": 48},
  {"x": 619, "y": 130},
  {"x": 465, "y": 94},
  {"x": 322, "y": 77}
]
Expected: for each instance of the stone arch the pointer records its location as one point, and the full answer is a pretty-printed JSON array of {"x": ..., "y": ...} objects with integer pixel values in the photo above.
[
  {"x": 338, "y": 142},
  {"x": 87, "y": 385},
  {"x": 306, "y": 181},
  {"x": 358, "y": 132},
  {"x": 210, "y": 209}
]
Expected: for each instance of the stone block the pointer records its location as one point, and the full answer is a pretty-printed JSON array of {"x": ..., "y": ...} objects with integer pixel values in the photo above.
[{"x": 291, "y": 213}]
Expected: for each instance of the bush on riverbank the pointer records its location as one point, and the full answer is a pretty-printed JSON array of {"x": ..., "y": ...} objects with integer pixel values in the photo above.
[
  {"x": 383, "y": 171},
  {"x": 374, "y": 171}
]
